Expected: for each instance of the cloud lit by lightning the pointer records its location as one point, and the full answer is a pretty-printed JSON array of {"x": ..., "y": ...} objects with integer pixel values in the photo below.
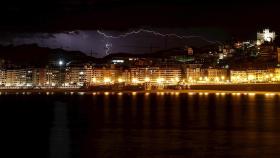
[{"x": 134, "y": 32}]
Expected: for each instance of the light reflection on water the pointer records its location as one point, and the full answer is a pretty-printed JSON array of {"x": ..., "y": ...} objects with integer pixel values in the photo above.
[{"x": 146, "y": 124}]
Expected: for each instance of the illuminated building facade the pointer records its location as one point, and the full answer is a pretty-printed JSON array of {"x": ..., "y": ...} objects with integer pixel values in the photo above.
[
  {"x": 278, "y": 55},
  {"x": 142, "y": 75},
  {"x": 265, "y": 36},
  {"x": 16, "y": 77},
  {"x": 79, "y": 76},
  {"x": 238, "y": 76},
  {"x": 52, "y": 77},
  {"x": 277, "y": 74},
  {"x": 39, "y": 76},
  {"x": 156, "y": 75},
  {"x": 103, "y": 76},
  {"x": 125, "y": 77},
  {"x": 251, "y": 76},
  {"x": 195, "y": 74},
  {"x": 258, "y": 75},
  {"x": 217, "y": 75},
  {"x": 2, "y": 77},
  {"x": 170, "y": 76}
]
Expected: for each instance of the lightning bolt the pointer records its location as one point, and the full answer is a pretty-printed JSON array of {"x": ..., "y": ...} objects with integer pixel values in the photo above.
[
  {"x": 108, "y": 48},
  {"x": 109, "y": 45}
]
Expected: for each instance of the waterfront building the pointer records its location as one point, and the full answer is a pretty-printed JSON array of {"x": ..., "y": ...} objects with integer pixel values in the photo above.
[
  {"x": 258, "y": 75},
  {"x": 276, "y": 74},
  {"x": 16, "y": 77},
  {"x": 238, "y": 76},
  {"x": 195, "y": 74},
  {"x": 156, "y": 75},
  {"x": 217, "y": 75},
  {"x": 278, "y": 55},
  {"x": 125, "y": 77},
  {"x": 101, "y": 76},
  {"x": 142, "y": 75},
  {"x": 169, "y": 75},
  {"x": 2, "y": 77},
  {"x": 251, "y": 76},
  {"x": 53, "y": 77},
  {"x": 78, "y": 76},
  {"x": 29, "y": 77},
  {"x": 37, "y": 76}
]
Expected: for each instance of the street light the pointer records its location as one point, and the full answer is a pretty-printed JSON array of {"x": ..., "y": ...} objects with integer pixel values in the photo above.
[
  {"x": 147, "y": 79},
  {"x": 107, "y": 80},
  {"x": 120, "y": 80},
  {"x": 135, "y": 80},
  {"x": 60, "y": 62}
]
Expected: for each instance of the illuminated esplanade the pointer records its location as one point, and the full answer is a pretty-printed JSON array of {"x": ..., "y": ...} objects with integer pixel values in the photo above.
[{"x": 157, "y": 76}]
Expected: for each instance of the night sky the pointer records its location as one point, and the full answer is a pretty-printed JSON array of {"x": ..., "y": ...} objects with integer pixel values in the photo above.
[{"x": 73, "y": 24}]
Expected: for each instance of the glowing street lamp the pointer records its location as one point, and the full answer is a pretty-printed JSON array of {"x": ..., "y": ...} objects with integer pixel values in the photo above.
[
  {"x": 206, "y": 79},
  {"x": 135, "y": 81},
  {"x": 217, "y": 79},
  {"x": 147, "y": 79},
  {"x": 251, "y": 77},
  {"x": 160, "y": 80},
  {"x": 107, "y": 80},
  {"x": 60, "y": 62},
  {"x": 190, "y": 79},
  {"x": 120, "y": 80},
  {"x": 94, "y": 80}
]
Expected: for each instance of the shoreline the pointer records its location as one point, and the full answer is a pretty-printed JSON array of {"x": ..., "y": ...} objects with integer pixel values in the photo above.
[
  {"x": 133, "y": 92},
  {"x": 223, "y": 89}
]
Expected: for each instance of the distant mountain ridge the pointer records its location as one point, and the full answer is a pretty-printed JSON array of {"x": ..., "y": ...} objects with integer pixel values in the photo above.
[
  {"x": 39, "y": 56},
  {"x": 34, "y": 55}
]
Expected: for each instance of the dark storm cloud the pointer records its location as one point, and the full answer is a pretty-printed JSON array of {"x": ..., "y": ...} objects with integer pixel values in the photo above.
[
  {"x": 91, "y": 42},
  {"x": 59, "y": 15},
  {"x": 51, "y": 23}
]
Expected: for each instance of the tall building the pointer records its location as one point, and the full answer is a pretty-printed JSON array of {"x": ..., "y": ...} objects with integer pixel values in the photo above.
[
  {"x": 2, "y": 77},
  {"x": 277, "y": 74},
  {"x": 250, "y": 76},
  {"x": 105, "y": 75},
  {"x": 217, "y": 74},
  {"x": 258, "y": 75},
  {"x": 170, "y": 75},
  {"x": 16, "y": 77},
  {"x": 156, "y": 75},
  {"x": 52, "y": 77},
  {"x": 142, "y": 75},
  {"x": 39, "y": 76},
  {"x": 265, "y": 36},
  {"x": 238, "y": 76},
  {"x": 194, "y": 74},
  {"x": 78, "y": 75}
]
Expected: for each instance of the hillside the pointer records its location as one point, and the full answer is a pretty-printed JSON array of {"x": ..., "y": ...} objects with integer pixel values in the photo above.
[{"x": 33, "y": 55}]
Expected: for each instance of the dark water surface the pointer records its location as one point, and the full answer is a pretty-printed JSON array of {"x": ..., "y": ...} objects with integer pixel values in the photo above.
[{"x": 132, "y": 126}]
